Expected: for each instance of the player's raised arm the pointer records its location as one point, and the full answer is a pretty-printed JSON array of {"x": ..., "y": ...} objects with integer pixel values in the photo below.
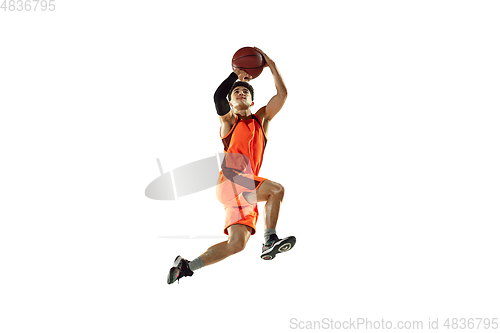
[
  {"x": 221, "y": 103},
  {"x": 220, "y": 100},
  {"x": 278, "y": 100}
]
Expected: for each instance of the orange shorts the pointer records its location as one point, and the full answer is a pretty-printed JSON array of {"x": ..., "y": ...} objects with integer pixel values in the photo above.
[{"x": 238, "y": 209}]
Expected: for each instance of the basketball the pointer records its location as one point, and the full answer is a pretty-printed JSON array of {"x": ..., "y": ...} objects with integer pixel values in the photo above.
[{"x": 249, "y": 60}]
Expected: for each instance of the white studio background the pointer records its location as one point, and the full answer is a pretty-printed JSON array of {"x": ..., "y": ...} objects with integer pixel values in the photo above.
[{"x": 387, "y": 147}]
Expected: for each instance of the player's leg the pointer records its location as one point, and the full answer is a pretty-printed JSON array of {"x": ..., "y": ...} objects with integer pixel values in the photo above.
[
  {"x": 273, "y": 194},
  {"x": 236, "y": 242}
]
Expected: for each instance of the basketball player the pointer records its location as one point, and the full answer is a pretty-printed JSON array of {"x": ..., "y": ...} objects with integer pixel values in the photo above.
[{"x": 239, "y": 187}]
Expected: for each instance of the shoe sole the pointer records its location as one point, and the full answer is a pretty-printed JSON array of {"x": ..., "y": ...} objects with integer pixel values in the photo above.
[
  {"x": 281, "y": 246},
  {"x": 174, "y": 272},
  {"x": 173, "y": 275},
  {"x": 177, "y": 261}
]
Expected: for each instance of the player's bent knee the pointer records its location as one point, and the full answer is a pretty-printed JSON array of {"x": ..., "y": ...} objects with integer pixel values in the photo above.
[
  {"x": 279, "y": 190},
  {"x": 237, "y": 246}
]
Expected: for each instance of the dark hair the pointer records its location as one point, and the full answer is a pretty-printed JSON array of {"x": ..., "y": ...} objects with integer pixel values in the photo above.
[{"x": 240, "y": 84}]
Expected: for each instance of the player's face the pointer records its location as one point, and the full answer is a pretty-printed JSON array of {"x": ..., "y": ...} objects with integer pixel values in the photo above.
[{"x": 241, "y": 97}]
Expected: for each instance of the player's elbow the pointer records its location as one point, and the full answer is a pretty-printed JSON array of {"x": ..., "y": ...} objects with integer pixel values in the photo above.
[
  {"x": 280, "y": 99},
  {"x": 283, "y": 94}
]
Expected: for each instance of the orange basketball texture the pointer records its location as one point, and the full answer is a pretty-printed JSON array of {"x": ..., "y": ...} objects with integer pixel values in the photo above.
[{"x": 249, "y": 60}]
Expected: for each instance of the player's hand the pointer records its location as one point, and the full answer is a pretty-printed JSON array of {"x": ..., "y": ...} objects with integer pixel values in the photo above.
[
  {"x": 242, "y": 75},
  {"x": 266, "y": 58}
]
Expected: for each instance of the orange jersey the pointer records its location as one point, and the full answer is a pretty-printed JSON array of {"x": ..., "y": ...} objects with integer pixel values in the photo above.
[
  {"x": 244, "y": 150},
  {"x": 247, "y": 138}
]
